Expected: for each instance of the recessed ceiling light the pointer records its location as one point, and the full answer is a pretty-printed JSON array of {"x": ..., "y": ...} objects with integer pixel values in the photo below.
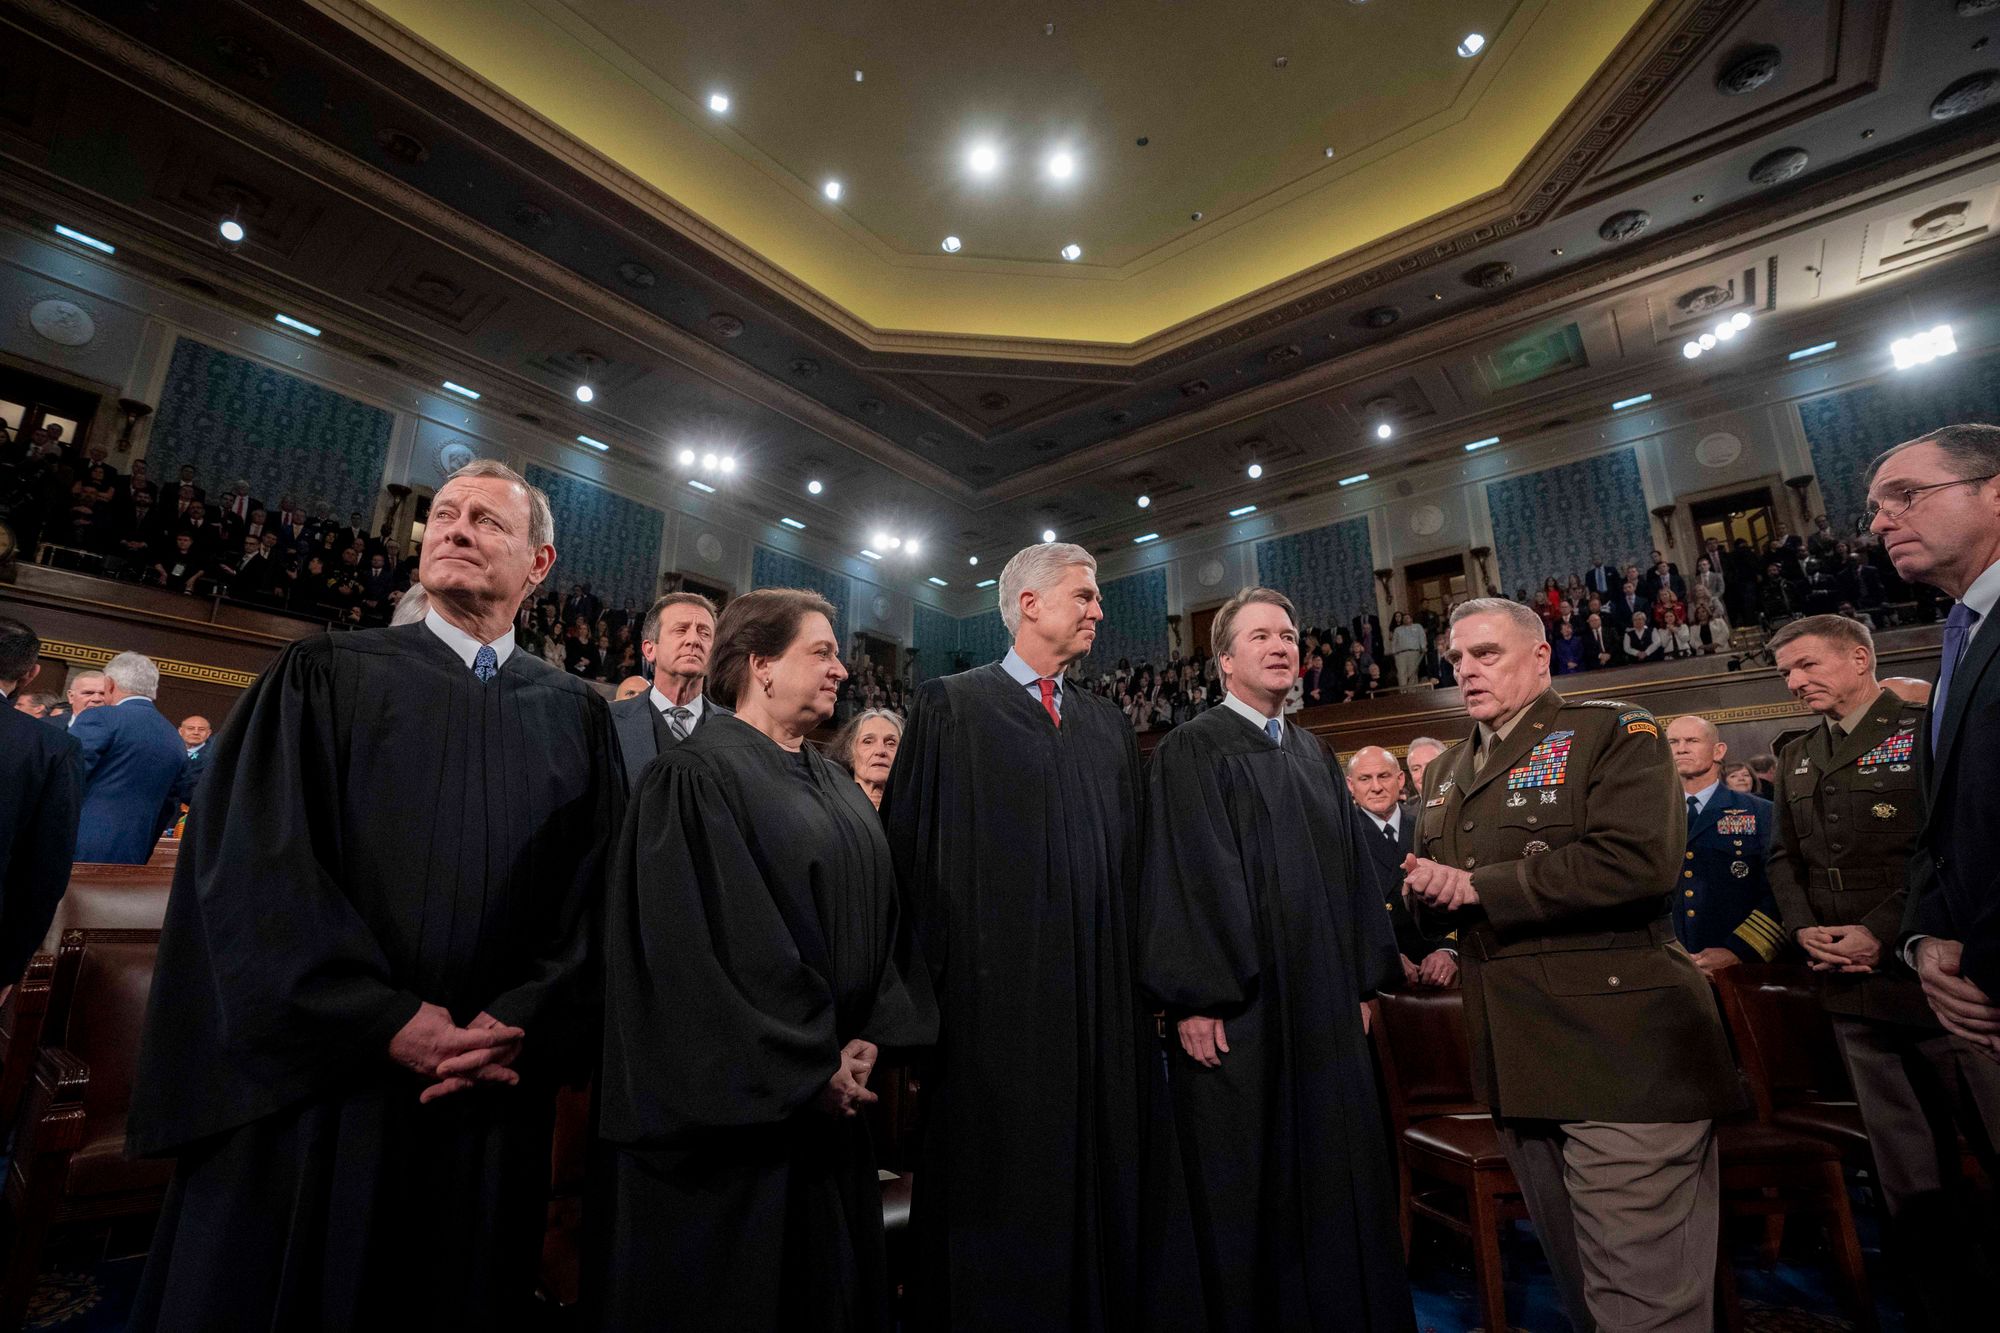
[
  {"x": 598, "y": 445},
  {"x": 727, "y": 463},
  {"x": 1072, "y": 252},
  {"x": 1634, "y": 401},
  {"x": 1062, "y": 165},
  {"x": 1724, "y": 331},
  {"x": 1255, "y": 470},
  {"x": 1241, "y": 510},
  {"x": 1741, "y": 319},
  {"x": 872, "y": 555},
  {"x": 984, "y": 159},
  {"x": 1691, "y": 349},
  {"x": 718, "y": 102},
  {"x": 687, "y": 457},
  {"x": 1472, "y": 44},
  {"x": 1805, "y": 352},
  {"x": 940, "y": 582},
  {"x": 584, "y": 393},
  {"x": 1145, "y": 502},
  {"x": 952, "y": 244},
  {"x": 461, "y": 390},
  {"x": 701, "y": 486},
  {"x": 831, "y": 189},
  {"x": 857, "y": 76},
  {"x": 81, "y": 239},
  {"x": 708, "y": 462},
  {"x": 972, "y": 560},
  {"x": 1048, "y": 534},
  {"x": 793, "y": 523},
  {"x": 1148, "y": 537},
  {"x": 1486, "y": 443},
  {"x": 985, "y": 583},
  {"x": 892, "y": 543},
  {"x": 232, "y": 230},
  {"x": 298, "y": 324},
  {"x": 1705, "y": 342},
  {"x": 1357, "y": 477},
  {"x": 1328, "y": 150},
  {"x": 1384, "y": 431},
  {"x": 879, "y": 539},
  {"x": 910, "y": 546},
  {"x": 1918, "y": 348},
  {"x": 814, "y": 488}
]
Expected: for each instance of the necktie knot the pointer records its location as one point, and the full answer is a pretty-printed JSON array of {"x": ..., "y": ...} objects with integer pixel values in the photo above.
[
  {"x": 1961, "y": 617},
  {"x": 1274, "y": 729},
  {"x": 486, "y": 662},
  {"x": 1694, "y": 807},
  {"x": 679, "y": 720},
  {"x": 1047, "y": 686},
  {"x": 1958, "y": 630}
]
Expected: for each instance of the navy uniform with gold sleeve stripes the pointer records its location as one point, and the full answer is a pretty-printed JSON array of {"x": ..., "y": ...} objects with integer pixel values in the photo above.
[{"x": 1724, "y": 899}]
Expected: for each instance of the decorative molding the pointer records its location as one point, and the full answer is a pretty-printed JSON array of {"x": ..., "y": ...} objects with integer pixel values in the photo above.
[{"x": 90, "y": 655}]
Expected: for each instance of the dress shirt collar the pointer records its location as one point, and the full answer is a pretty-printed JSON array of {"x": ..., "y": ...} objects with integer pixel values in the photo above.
[
  {"x": 1846, "y": 725},
  {"x": 1393, "y": 823},
  {"x": 1704, "y": 796},
  {"x": 1983, "y": 593},
  {"x": 1251, "y": 715},
  {"x": 1025, "y": 676},
  {"x": 1492, "y": 736},
  {"x": 464, "y": 644},
  {"x": 666, "y": 705}
]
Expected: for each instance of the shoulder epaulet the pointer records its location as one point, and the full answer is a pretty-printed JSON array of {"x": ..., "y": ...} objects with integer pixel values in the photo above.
[{"x": 1630, "y": 716}]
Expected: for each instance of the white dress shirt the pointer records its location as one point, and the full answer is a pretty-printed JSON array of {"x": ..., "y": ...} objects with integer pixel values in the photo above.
[
  {"x": 1249, "y": 714},
  {"x": 666, "y": 705},
  {"x": 464, "y": 644}
]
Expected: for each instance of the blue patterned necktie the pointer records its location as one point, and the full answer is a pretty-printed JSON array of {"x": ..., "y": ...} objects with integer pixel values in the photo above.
[
  {"x": 1958, "y": 628},
  {"x": 485, "y": 662},
  {"x": 1275, "y": 730}
]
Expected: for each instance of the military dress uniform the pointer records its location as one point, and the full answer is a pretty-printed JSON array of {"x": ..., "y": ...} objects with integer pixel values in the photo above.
[
  {"x": 1724, "y": 899},
  {"x": 1594, "y": 1038},
  {"x": 1848, "y": 810}
]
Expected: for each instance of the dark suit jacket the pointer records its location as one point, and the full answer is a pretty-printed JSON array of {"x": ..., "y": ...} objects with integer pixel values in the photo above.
[
  {"x": 41, "y": 790},
  {"x": 1955, "y": 871},
  {"x": 1601, "y": 579},
  {"x": 135, "y": 774},
  {"x": 1387, "y": 863},
  {"x": 643, "y": 732}
]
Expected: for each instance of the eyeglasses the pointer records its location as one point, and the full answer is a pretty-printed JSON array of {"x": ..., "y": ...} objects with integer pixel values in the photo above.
[{"x": 1897, "y": 503}]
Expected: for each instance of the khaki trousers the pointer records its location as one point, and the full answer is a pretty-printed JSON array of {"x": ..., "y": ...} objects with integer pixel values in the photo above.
[
  {"x": 1628, "y": 1215},
  {"x": 1916, "y": 1088}
]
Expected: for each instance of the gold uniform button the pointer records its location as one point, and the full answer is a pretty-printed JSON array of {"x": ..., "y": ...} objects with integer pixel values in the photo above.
[
  {"x": 1469, "y": 861},
  {"x": 1688, "y": 892},
  {"x": 1690, "y": 911},
  {"x": 1611, "y": 981},
  {"x": 1687, "y": 874},
  {"x": 1690, "y": 856}
]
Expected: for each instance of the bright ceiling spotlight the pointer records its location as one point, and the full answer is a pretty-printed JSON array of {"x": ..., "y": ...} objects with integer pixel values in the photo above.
[
  {"x": 883, "y": 540},
  {"x": 718, "y": 102},
  {"x": 1145, "y": 502},
  {"x": 1919, "y": 348},
  {"x": 814, "y": 488},
  {"x": 831, "y": 190},
  {"x": 972, "y": 560},
  {"x": 910, "y": 547},
  {"x": 1255, "y": 470},
  {"x": 1472, "y": 44},
  {"x": 1048, "y": 534},
  {"x": 984, "y": 159},
  {"x": 686, "y": 457},
  {"x": 1072, "y": 252},
  {"x": 1062, "y": 165},
  {"x": 708, "y": 462},
  {"x": 1706, "y": 341},
  {"x": 584, "y": 393},
  {"x": 1724, "y": 331},
  {"x": 952, "y": 244},
  {"x": 727, "y": 463},
  {"x": 1384, "y": 431},
  {"x": 1740, "y": 320},
  {"x": 232, "y": 230},
  {"x": 1691, "y": 350}
]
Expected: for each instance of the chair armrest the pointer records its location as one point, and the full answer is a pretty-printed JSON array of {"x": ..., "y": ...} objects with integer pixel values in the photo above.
[{"x": 21, "y": 1032}]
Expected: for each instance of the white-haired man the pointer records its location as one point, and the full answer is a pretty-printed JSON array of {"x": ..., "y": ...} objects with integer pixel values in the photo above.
[
  {"x": 1261, "y": 935},
  {"x": 134, "y": 766},
  {"x": 375, "y": 960},
  {"x": 1551, "y": 838},
  {"x": 1419, "y": 754},
  {"x": 1013, "y": 815}
]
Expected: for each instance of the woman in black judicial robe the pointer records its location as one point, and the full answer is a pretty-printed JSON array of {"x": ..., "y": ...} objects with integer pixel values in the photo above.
[{"x": 755, "y": 961}]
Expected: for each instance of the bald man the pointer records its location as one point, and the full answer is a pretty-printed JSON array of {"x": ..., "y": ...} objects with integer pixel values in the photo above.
[
  {"x": 195, "y": 732},
  {"x": 1724, "y": 912},
  {"x": 632, "y": 687},
  {"x": 1389, "y": 832}
]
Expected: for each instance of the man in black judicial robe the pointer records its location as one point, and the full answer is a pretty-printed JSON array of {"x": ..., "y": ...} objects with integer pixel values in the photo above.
[
  {"x": 1261, "y": 934},
  {"x": 1013, "y": 814},
  {"x": 376, "y": 953},
  {"x": 41, "y": 796}
]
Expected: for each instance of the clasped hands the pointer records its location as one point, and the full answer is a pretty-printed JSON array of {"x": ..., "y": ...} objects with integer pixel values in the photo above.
[
  {"x": 1840, "y": 948},
  {"x": 456, "y": 1058},
  {"x": 847, "y": 1091},
  {"x": 1443, "y": 887},
  {"x": 1963, "y": 1008}
]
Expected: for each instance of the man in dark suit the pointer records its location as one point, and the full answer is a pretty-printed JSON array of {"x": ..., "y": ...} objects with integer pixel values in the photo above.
[
  {"x": 1388, "y": 830},
  {"x": 1551, "y": 839},
  {"x": 580, "y": 602},
  {"x": 195, "y": 731},
  {"x": 1935, "y": 502},
  {"x": 1368, "y": 633},
  {"x": 1851, "y": 800},
  {"x": 134, "y": 766},
  {"x": 1723, "y": 913},
  {"x": 1601, "y": 578},
  {"x": 41, "y": 790},
  {"x": 1602, "y": 645},
  {"x": 675, "y": 639}
]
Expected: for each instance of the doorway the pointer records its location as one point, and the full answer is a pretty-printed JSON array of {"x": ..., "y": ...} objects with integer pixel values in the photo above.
[
  {"x": 880, "y": 651},
  {"x": 1434, "y": 586},
  {"x": 1201, "y": 622},
  {"x": 1746, "y": 515},
  {"x": 29, "y": 402}
]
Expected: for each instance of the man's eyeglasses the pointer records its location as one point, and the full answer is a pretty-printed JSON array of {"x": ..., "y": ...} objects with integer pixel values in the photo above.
[{"x": 1897, "y": 502}]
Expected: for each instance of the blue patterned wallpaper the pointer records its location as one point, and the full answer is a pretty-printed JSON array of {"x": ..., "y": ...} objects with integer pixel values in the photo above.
[
  {"x": 1329, "y": 572},
  {"x": 934, "y": 638},
  {"x": 232, "y": 418},
  {"x": 1847, "y": 429},
  {"x": 776, "y": 569},
  {"x": 1135, "y": 621},
  {"x": 983, "y": 638},
  {"x": 602, "y": 539},
  {"x": 1555, "y": 520}
]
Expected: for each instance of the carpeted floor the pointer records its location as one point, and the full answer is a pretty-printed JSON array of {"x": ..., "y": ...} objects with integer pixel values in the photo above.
[{"x": 83, "y": 1291}]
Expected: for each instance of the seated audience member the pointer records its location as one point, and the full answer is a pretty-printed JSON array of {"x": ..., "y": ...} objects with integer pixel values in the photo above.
[
  {"x": 248, "y": 573},
  {"x": 1601, "y": 644},
  {"x": 1737, "y": 777},
  {"x": 1566, "y": 658},
  {"x": 866, "y": 747},
  {"x": 1642, "y": 642},
  {"x": 1674, "y": 632},
  {"x": 41, "y": 790},
  {"x": 1709, "y": 626},
  {"x": 134, "y": 764},
  {"x": 631, "y": 688},
  {"x": 181, "y": 570}
]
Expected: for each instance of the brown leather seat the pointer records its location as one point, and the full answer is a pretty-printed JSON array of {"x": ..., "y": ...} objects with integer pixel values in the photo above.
[
  {"x": 1785, "y": 1047},
  {"x": 1746, "y": 1143},
  {"x": 1468, "y": 1139},
  {"x": 111, "y": 897},
  {"x": 1837, "y": 1122}
]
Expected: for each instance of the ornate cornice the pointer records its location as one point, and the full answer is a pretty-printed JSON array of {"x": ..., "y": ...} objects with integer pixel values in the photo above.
[{"x": 92, "y": 655}]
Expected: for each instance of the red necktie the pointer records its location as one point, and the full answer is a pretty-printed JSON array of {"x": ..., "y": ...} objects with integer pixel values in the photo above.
[{"x": 1048, "y": 688}]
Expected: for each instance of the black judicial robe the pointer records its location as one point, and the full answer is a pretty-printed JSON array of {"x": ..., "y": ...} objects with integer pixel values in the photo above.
[
  {"x": 1255, "y": 910},
  {"x": 752, "y": 931},
  {"x": 378, "y": 828},
  {"x": 1017, "y": 847}
]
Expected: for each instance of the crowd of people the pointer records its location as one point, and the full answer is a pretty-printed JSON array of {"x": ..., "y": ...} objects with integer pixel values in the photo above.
[{"x": 680, "y": 897}]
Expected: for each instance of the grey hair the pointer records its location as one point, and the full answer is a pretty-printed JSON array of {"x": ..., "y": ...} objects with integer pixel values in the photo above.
[
  {"x": 134, "y": 673},
  {"x": 1524, "y": 617},
  {"x": 1034, "y": 569},
  {"x": 541, "y": 521},
  {"x": 79, "y": 677},
  {"x": 1969, "y": 444},
  {"x": 1431, "y": 741},
  {"x": 841, "y": 747},
  {"x": 412, "y": 606}
]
